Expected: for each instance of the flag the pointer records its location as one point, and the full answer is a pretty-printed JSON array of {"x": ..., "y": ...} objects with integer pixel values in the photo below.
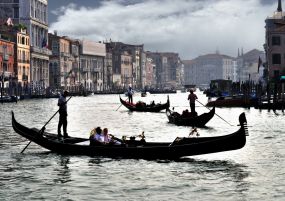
[
  {"x": 259, "y": 64},
  {"x": 44, "y": 42}
]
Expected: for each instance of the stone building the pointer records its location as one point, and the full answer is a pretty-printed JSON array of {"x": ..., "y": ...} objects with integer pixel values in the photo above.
[
  {"x": 34, "y": 15},
  {"x": 64, "y": 62},
  {"x": 247, "y": 66},
  {"x": 108, "y": 70},
  {"x": 92, "y": 61},
  {"x": 22, "y": 57},
  {"x": 150, "y": 69},
  {"x": 126, "y": 69},
  {"x": 168, "y": 69},
  {"x": 18, "y": 35},
  {"x": 6, "y": 62},
  {"x": 138, "y": 62},
  {"x": 203, "y": 69},
  {"x": 274, "y": 43}
]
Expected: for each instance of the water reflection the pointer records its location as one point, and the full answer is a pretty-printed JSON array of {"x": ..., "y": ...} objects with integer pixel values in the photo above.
[
  {"x": 223, "y": 170},
  {"x": 62, "y": 170}
]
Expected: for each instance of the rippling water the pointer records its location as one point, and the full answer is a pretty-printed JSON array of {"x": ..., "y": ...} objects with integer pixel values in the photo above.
[{"x": 255, "y": 172}]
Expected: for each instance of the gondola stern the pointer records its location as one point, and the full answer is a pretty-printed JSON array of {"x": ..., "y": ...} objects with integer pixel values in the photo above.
[{"x": 243, "y": 123}]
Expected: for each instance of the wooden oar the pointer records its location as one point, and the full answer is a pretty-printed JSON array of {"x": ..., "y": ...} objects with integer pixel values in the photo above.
[
  {"x": 43, "y": 128},
  {"x": 121, "y": 104},
  {"x": 215, "y": 113}
]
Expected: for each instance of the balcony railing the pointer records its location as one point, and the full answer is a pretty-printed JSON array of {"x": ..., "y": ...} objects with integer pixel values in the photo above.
[
  {"x": 64, "y": 54},
  {"x": 41, "y": 50},
  {"x": 95, "y": 70},
  {"x": 23, "y": 61}
]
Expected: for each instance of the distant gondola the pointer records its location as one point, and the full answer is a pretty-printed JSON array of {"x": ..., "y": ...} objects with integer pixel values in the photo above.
[
  {"x": 180, "y": 147},
  {"x": 197, "y": 121},
  {"x": 146, "y": 108}
]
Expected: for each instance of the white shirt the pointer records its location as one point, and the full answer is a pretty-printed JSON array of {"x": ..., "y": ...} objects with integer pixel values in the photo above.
[
  {"x": 62, "y": 100},
  {"x": 99, "y": 137}
]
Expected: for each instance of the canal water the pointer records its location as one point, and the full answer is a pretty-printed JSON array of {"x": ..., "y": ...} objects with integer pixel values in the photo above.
[{"x": 255, "y": 172}]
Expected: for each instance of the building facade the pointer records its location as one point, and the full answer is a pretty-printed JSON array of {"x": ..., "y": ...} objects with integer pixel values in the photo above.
[
  {"x": 92, "y": 61},
  {"x": 247, "y": 66},
  {"x": 6, "y": 63},
  {"x": 34, "y": 15},
  {"x": 22, "y": 57},
  {"x": 138, "y": 63},
  {"x": 150, "y": 73},
  {"x": 274, "y": 43},
  {"x": 168, "y": 69},
  {"x": 203, "y": 69}
]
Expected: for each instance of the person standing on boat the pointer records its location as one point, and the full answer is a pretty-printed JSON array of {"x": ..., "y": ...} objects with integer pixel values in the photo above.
[
  {"x": 192, "y": 98},
  {"x": 130, "y": 94},
  {"x": 62, "y": 115}
]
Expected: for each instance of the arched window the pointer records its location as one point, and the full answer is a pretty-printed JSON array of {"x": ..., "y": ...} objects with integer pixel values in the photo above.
[{"x": 23, "y": 40}]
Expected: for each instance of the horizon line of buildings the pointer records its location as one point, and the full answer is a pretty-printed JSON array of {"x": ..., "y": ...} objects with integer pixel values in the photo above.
[{"x": 32, "y": 57}]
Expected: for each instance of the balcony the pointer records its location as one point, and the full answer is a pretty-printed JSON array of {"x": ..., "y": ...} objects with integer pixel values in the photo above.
[
  {"x": 41, "y": 50},
  {"x": 64, "y": 54},
  {"x": 95, "y": 70},
  {"x": 24, "y": 61}
]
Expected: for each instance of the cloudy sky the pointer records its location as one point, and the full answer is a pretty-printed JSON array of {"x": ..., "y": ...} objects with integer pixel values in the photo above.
[{"x": 188, "y": 27}]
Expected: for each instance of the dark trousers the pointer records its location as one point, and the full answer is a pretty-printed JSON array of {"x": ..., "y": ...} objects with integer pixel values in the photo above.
[
  {"x": 62, "y": 122},
  {"x": 130, "y": 98},
  {"x": 192, "y": 107}
]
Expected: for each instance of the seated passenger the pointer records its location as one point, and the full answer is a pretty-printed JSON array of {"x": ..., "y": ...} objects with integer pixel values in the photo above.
[
  {"x": 109, "y": 139},
  {"x": 140, "y": 104},
  {"x": 185, "y": 113},
  {"x": 96, "y": 137}
]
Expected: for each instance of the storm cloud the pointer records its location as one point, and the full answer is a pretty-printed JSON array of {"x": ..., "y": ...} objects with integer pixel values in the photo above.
[{"x": 190, "y": 28}]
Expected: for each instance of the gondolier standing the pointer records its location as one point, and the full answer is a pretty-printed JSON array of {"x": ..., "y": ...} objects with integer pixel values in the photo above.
[
  {"x": 130, "y": 94},
  {"x": 62, "y": 114},
  {"x": 192, "y": 97}
]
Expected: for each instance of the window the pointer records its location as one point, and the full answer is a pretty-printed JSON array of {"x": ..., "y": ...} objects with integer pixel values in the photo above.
[
  {"x": 276, "y": 59},
  {"x": 276, "y": 40},
  {"x": 16, "y": 12}
]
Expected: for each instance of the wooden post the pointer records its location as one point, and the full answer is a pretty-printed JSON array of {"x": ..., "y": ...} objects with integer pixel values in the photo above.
[{"x": 282, "y": 93}]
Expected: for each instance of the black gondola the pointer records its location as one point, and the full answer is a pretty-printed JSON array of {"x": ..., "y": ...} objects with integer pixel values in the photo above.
[
  {"x": 141, "y": 107},
  {"x": 198, "y": 121},
  {"x": 180, "y": 147}
]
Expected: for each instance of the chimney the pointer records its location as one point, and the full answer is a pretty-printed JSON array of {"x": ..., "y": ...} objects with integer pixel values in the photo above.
[
  {"x": 279, "y": 8},
  {"x": 55, "y": 32}
]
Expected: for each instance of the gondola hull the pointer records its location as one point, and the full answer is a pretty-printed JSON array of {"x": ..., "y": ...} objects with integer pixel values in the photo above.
[
  {"x": 137, "y": 149},
  {"x": 197, "y": 121},
  {"x": 147, "y": 108}
]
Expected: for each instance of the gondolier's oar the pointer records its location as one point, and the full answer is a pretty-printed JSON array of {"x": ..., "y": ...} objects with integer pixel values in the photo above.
[
  {"x": 43, "y": 128},
  {"x": 215, "y": 113},
  {"x": 121, "y": 103}
]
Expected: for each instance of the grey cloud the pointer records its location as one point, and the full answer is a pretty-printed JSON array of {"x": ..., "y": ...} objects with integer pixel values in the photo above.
[{"x": 190, "y": 28}]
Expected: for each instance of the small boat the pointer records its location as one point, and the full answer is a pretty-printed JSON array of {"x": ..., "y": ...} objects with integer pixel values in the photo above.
[
  {"x": 8, "y": 99},
  {"x": 232, "y": 101},
  {"x": 180, "y": 147},
  {"x": 143, "y": 94},
  {"x": 142, "y": 107},
  {"x": 189, "y": 120}
]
